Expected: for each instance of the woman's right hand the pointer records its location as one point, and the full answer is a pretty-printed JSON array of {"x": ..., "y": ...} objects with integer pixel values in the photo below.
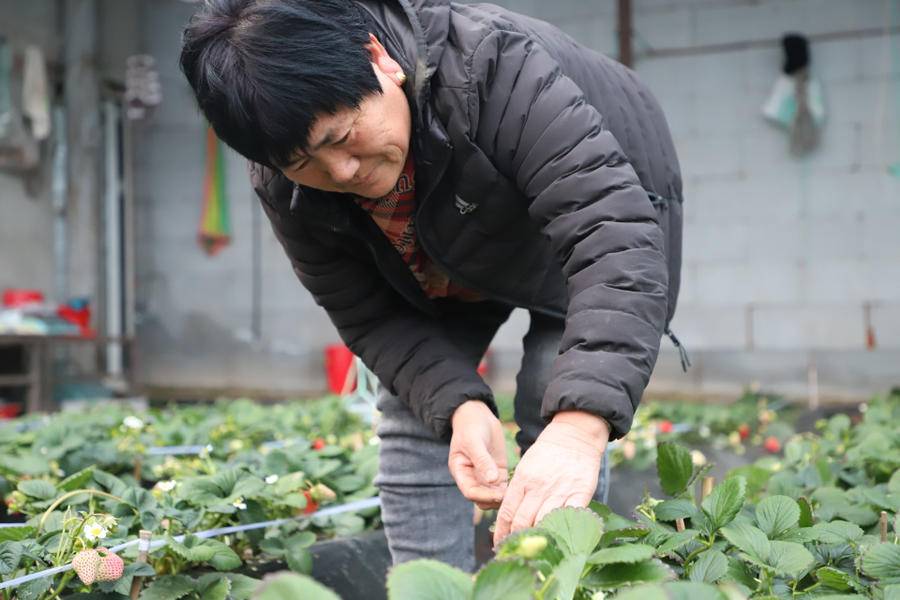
[{"x": 477, "y": 459}]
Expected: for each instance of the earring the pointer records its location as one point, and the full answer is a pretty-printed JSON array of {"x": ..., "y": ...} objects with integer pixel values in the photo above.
[{"x": 401, "y": 77}]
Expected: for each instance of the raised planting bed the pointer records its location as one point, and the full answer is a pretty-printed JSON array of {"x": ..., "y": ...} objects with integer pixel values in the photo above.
[{"x": 818, "y": 521}]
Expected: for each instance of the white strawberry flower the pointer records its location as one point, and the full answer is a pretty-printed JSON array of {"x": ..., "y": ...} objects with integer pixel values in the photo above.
[
  {"x": 271, "y": 479},
  {"x": 166, "y": 486},
  {"x": 94, "y": 531},
  {"x": 132, "y": 422},
  {"x": 239, "y": 503}
]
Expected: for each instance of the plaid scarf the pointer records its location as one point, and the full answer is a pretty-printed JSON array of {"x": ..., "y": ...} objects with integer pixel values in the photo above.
[{"x": 393, "y": 213}]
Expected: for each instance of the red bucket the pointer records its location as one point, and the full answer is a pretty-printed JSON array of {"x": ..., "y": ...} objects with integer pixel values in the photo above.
[
  {"x": 338, "y": 360},
  {"x": 13, "y": 298},
  {"x": 10, "y": 410}
]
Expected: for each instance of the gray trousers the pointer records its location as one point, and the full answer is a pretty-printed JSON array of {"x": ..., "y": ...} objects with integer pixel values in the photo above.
[{"x": 424, "y": 513}]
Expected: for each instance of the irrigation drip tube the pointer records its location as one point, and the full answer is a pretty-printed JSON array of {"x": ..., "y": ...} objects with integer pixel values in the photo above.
[{"x": 153, "y": 545}]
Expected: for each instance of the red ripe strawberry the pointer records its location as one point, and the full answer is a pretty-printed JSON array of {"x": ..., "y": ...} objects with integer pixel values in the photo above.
[
  {"x": 311, "y": 505},
  {"x": 772, "y": 444},
  {"x": 744, "y": 431},
  {"x": 86, "y": 565},
  {"x": 665, "y": 427},
  {"x": 111, "y": 566},
  {"x": 318, "y": 444}
]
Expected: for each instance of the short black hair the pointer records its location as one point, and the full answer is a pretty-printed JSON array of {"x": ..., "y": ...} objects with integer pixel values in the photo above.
[{"x": 263, "y": 70}]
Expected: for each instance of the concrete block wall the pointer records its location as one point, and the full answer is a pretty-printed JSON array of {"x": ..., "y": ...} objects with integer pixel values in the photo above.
[
  {"x": 780, "y": 253},
  {"x": 25, "y": 200}
]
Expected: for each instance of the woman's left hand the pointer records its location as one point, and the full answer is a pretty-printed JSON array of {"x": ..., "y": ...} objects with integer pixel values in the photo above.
[{"x": 560, "y": 469}]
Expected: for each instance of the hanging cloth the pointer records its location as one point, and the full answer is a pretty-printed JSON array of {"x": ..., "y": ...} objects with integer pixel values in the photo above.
[
  {"x": 215, "y": 224},
  {"x": 36, "y": 92},
  {"x": 796, "y": 103},
  {"x": 19, "y": 151},
  {"x": 5, "y": 87}
]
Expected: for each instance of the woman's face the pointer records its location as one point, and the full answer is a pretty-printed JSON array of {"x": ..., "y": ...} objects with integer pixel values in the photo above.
[{"x": 360, "y": 151}]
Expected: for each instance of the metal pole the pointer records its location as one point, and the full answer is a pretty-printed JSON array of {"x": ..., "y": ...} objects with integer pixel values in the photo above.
[
  {"x": 626, "y": 51},
  {"x": 60, "y": 191},
  {"x": 256, "y": 259},
  {"x": 113, "y": 237}
]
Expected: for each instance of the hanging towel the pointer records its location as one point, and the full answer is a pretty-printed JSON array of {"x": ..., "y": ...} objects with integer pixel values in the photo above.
[
  {"x": 215, "y": 224},
  {"x": 35, "y": 92},
  {"x": 5, "y": 87}
]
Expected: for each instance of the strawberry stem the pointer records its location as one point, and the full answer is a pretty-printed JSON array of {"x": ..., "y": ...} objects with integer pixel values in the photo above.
[
  {"x": 62, "y": 585},
  {"x": 68, "y": 495}
]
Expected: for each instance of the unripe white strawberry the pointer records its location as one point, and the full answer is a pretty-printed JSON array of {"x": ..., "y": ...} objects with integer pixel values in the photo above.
[
  {"x": 86, "y": 564},
  {"x": 322, "y": 493},
  {"x": 111, "y": 566},
  {"x": 532, "y": 545}
]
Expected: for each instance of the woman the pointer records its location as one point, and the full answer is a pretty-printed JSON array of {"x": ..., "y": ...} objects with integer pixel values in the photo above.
[{"x": 427, "y": 167}]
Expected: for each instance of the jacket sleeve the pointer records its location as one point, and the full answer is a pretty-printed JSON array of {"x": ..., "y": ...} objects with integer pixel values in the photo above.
[
  {"x": 538, "y": 130},
  {"x": 407, "y": 350}
]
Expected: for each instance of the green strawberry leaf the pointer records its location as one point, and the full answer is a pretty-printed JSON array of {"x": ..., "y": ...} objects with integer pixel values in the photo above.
[
  {"x": 615, "y": 576},
  {"x": 223, "y": 557},
  {"x": 504, "y": 579},
  {"x": 218, "y": 590},
  {"x": 566, "y": 575},
  {"x": 192, "y": 549},
  {"x": 281, "y": 586},
  {"x": 273, "y": 546},
  {"x": 620, "y": 534},
  {"x": 34, "y": 589},
  {"x": 38, "y": 488},
  {"x": 749, "y": 540},
  {"x": 10, "y": 556},
  {"x": 77, "y": 481},
  {"x": 837, "y": 532},
  {"x": 424, "y": 580},
  {"x": 576, "y": 530},
  {"x": 670, "y": 510},
  {"x": 806, "y": 513},
  {"x": 242, "y": 587},
  {"x": 299, "y": 560},
  {"x": 776, "y": 515},
  {"x": 833, "y": 578},
  {"x": 15, "y": 534},
  {"x": 882, "y": 561},
  {"x": 789, "y": 558},
  {"x": 677, "y": 540},
  {"x": 725, "y": 502},
  {"x": 709, "y": 567},
  {"x": 675, "y": 590},
  {"x": 674, "y": 467},
  {"x": 627, "y": 553},
  {"x": 169, "y": 587}
]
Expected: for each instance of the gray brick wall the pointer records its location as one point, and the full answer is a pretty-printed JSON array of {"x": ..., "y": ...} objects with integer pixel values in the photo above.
[{"x": 780, "y": 254}]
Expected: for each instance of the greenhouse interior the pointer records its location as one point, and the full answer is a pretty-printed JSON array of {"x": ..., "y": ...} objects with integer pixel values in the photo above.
[{"x": 439, "y": 300}]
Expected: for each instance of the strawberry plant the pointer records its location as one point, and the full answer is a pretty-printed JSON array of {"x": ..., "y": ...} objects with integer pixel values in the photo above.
[
  {"x": 260, "y": 464},
  {"x": 805, "y": 527}
]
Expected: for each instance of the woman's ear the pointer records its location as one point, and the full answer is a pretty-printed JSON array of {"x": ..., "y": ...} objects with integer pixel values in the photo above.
[{"x": 383, "y": 61}]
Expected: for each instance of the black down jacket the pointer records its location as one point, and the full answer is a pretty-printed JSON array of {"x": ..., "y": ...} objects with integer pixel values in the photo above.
[{"x": 546, "y": 178}]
